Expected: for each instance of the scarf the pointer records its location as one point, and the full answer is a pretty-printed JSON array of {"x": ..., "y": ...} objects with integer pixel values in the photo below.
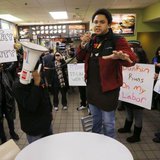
[{"x": 60, "y": 74}]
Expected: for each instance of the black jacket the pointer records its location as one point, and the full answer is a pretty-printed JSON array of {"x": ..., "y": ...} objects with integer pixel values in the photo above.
[
  {"x": 35, "y": 109},
  {"x": 6, "y": 96}
]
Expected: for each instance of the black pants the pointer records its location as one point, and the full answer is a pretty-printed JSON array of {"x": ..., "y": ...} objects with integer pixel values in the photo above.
[
  {"x": 10, "y": 124},
  {"x": 9, "y": 118},
  {"x": 82, "y": 92},
  {"x": 134, "y": 114},
  {"x": 2, "y": 133},
  {"x": 63, "y": 96}
]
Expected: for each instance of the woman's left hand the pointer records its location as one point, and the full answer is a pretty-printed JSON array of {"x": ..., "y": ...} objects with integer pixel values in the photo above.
[{"x": 118, "y": 55}]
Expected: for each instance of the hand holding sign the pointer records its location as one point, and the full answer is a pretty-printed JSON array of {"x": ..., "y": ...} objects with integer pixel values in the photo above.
[
  {"x": 157, "y": 85},
  {"x": 1, "y": 68}
]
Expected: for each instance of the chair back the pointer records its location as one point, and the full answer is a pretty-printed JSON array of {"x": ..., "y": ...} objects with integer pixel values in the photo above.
[
  {"x": 9, "y": 150},
  {"x": 87, "y": 123}
]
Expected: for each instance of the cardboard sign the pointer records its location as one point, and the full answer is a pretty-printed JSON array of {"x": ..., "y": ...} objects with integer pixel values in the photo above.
[
  {"x": 7, "y": 51},
  {"x": 138, "y": 85},
  {"x": 76, "y": 74}
]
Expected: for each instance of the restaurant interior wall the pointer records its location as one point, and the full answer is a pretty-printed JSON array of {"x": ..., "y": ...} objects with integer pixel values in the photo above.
[
  {"x": 151, "y": 13},
  {"x": 150, "y": 29},
  {"x": 143, "y": 27},
  {"x": 150, "y": 42}
]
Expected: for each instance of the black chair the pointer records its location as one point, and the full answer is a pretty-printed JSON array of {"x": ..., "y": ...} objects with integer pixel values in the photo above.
[{"x": 87, "y": 123}]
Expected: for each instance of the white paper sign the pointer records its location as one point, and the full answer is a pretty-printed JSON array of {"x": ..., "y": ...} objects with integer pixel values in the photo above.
[
  {"x": 76, "y": 74},
  {"x": 7, "y": 51},
  {"x": 157, "y": 85},
  {"x": 138, "y": 85}
]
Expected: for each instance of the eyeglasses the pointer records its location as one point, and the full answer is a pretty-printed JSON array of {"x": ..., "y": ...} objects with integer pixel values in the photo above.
[{"x": 57, "y": 55}]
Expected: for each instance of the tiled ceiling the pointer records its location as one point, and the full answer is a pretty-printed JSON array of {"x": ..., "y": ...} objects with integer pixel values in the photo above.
[{"x": 36, "y": 11}]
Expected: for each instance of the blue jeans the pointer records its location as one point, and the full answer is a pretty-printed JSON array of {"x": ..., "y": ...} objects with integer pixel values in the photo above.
[
  {"x": 103, "y": 120},
  {"x": 31, "y": 138}
]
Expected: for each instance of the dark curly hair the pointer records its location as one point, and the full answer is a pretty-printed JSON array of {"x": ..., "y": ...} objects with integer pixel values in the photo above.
[{"x": 104, "y": 12}]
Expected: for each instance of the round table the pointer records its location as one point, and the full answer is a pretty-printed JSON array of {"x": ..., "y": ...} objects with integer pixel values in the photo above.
[{"x": 75, "y": 146}]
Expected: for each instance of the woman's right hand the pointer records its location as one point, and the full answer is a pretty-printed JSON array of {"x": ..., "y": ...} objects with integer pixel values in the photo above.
[
  {"x": 1, "y": 67},
  {"x": 158, "y": 64},
  {"x": 155, "y": 76}
]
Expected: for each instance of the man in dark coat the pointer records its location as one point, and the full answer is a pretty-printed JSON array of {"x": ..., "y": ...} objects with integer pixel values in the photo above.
[
  {"x": 104, "y": 54},
  {"x": 35, "y": 109},
  {"x": 7, "y": 104}
]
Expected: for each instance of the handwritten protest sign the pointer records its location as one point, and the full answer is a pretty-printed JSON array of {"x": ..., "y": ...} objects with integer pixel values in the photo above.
[
  {"x": 138, "y": 85},
  {"x": 76, "y": 74},
  {"x": 157, "y": 85},
  {"x": 7, "y": 51}
]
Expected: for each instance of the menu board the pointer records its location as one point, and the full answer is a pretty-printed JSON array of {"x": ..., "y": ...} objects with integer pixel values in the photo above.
[
  {"x": 48, "y": 30},
  {"x": 51, "y": 31},
  {"x": 24, "y": 32},
  {"x": 123, "y": 24},
  {"x": 76, "y": 30}
]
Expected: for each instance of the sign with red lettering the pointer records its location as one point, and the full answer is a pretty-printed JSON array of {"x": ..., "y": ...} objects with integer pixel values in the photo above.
[{"x": 138, "y": 85}]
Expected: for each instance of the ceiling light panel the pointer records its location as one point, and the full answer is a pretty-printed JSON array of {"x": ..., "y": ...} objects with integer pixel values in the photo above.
[
  {"x": 9, "y": 17},
  {"x": 59, "y": 15}
]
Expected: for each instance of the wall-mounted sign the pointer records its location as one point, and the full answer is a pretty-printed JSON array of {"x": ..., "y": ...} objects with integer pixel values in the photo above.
[
  {"x": 76, "y": 30},
  {"x": 123, "y": 23},
  {"x": 48, "y": 31},
  {"x": 24, "y": 32}
]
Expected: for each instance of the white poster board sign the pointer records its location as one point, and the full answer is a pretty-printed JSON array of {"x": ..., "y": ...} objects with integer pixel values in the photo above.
[
  {"x": 7, "y": 51},
  {"x": 157, "y": 85},
  {"x": 76, "y": 74},
  {"x": 138, "y": 85}
]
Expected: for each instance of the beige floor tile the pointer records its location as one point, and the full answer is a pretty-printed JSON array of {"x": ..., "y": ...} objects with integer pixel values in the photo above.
[{"x": 67, "y": 121}]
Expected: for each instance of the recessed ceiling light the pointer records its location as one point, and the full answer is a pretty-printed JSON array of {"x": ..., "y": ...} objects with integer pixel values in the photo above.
[
  {"x": 30, "y": 23},
  {"x": 63, "y": 22},
  {"x": 9, "y": 17},
  {"x": 59, "y": 15}
]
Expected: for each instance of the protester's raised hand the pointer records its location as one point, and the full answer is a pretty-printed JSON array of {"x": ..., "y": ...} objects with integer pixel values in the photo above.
[{"x": 118, "y": 55}]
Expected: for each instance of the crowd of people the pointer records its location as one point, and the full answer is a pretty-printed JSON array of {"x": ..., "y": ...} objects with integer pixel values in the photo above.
[{"x": 104, "y": 54}]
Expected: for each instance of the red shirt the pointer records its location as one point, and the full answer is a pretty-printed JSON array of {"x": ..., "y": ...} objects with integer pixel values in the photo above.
[{"x": 110, "y": 69}]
